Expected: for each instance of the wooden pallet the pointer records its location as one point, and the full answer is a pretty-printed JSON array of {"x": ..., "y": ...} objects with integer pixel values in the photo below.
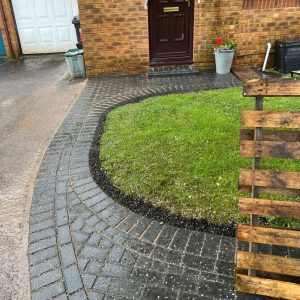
[{"x": 269, "y": 134}]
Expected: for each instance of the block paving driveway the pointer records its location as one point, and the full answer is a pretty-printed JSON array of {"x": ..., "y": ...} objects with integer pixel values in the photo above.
[{"x": 84, "y": 245}]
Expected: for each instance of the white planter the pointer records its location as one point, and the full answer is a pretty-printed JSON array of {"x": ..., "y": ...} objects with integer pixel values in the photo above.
[{"x": 223, "y": 60}]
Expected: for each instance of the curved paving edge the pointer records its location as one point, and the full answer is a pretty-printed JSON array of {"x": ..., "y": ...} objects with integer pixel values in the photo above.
[
  {"x": 138, "y": 205},
  {"x": 84, "y": 245}
]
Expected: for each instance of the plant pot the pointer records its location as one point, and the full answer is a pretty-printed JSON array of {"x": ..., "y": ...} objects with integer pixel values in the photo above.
[{"x": 223, "y": 60}]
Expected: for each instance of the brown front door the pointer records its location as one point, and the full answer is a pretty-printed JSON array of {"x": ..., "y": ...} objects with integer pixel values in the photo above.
[{"x": 171, "y": 25}]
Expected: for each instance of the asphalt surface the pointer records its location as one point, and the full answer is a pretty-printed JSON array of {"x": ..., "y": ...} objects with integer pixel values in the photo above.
[{"x": 35, "y": 96}]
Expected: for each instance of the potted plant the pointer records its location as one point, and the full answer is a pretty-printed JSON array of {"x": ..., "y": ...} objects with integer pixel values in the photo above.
[{"x": 224, "y": 52}]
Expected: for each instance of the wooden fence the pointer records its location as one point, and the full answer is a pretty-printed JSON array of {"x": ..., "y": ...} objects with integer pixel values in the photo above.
[{"x": 269, "y": 134}]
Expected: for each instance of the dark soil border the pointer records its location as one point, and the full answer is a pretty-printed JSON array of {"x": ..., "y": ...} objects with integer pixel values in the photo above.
[{"x": 136, "y": 204}]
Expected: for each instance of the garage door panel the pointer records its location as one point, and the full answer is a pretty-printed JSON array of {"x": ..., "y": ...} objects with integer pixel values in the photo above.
[
  {"x": 43, "y": 9},
  {"x": 29, "y": 36},
  {"x": 45, "y": 26},
  {"x": 64, "y": 34},
  {"x": 60, "y": 9},
  {"x": 46, "y": 35}
]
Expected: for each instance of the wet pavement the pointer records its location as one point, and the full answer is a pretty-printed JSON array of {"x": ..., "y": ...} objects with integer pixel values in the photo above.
[
  {"x": 35, "y": 96},
  {"x": 85, "y": 245}
]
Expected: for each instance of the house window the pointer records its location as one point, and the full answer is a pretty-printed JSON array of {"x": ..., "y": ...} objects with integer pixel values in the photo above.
[{"x": 268, "y": 4}]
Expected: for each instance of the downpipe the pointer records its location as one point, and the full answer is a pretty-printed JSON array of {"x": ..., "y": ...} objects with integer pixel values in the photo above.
[{"x": 269, "y": 45}]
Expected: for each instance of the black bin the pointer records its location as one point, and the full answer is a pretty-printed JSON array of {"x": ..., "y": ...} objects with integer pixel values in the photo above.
[
  {"x": 76, "y": 22},
  {"x": 287, "y": 56}
]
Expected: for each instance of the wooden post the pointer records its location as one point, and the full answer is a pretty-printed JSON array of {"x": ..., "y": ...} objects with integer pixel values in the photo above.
[{"x": 259, "y": 103}]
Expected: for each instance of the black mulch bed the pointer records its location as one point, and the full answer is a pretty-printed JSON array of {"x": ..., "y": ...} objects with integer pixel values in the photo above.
[{"x": 136, "y": 204}]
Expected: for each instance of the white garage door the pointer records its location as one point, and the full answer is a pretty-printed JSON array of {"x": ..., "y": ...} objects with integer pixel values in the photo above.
[{"x": 45, "y": 26}]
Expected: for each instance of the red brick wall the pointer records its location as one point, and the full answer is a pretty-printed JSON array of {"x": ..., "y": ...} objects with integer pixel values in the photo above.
[
  {"x": 116, "y": 32},
  {"x": 115, "y": 36},
  {"x": 253, "y": 29},
  {"x": 267, "y": 4},
  {"x": 16, "y": 49}
]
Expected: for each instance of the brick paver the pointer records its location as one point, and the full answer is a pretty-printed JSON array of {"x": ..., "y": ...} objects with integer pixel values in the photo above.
[{"x": 84, "y": 245}]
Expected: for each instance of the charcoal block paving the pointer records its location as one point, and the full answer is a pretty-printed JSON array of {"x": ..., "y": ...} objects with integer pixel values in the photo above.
[{"x": 85, "y": 245}]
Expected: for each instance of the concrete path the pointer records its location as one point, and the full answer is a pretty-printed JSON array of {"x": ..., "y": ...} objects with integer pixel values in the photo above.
[
  {"x": 35, "y": 96},
  {"x": 85, "y": 245}
]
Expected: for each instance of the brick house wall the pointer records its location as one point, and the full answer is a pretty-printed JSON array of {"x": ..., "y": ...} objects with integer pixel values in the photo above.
[
  {"x": 16, "y": 49},
  {"x": 116, "y": 32}
]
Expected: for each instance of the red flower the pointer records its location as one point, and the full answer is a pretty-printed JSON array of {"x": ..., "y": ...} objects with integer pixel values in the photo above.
[{"x": 219, "y": 41}]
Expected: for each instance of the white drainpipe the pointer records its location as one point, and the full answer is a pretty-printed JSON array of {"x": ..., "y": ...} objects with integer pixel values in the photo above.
[{"x": 267, "y": 56}]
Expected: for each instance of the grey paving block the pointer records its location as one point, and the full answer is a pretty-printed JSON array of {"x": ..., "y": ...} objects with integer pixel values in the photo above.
[
  {"x": 86, "y": 187},
  {"x": 102, "y": 205},
  {"x": 79, "y": 295},
  {"x": 44, "y": 266},
  {"x": 199, "y": 263},
  {"x": 80, "y": 237},
  {"x": 42, "y": 234},
  {"x": 77, "y": 224},
  {"x": 72, "y": 279},
  {"x": 211, "y": 245},
  {"x": 94, "y": 239},
  {"x": 45, "y": 279},
  {"x": 41, "y": 245},
  {"x": 180, "y": 240},
  {"x": 61, "y": 297},
  {"x": 88, "y": 280},
  {"x": 182, "y": 283},
  {"x": 41, "y": 216},
  {"x": 94, "y": 267},
  {"x": 41, "y": 225},
  {"x": 115, "y": 254},
  {"x": 126, "y": 289},
  {"x": 93, "y": 252},
  {"x": 41, "y": 208},
  {"x": 166, "y": 235},
  {"x": 102, "y": 284},
  {"x": 61, "y": 201},
  {"x": 153, "y": 293},
  {"x": 139, "y": 228},
  {"x": 129, "y": 258},
  {"x": 195, "y": 243},
  {"x": 152, "y": 232},
  {"x": 95, "y": 199},
  {"x": 63, "y": 234},
  {"x": 147, "y": 276},
  {"x": 67, "y": 255},
  {"x": 82, "y": 263},
  {"x": 129, "y": 222},
  {"x": 116, "y": 271},
  {"x": 62, "y": 217},
  {"x": 43, "y": 255},
  {"x": 49, "y": 291},
  {"x": 95, "y": 296}
]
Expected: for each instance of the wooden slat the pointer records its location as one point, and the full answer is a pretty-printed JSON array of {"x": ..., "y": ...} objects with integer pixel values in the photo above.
[
  {"x": 272, "y": 87},
  {"x": 269, "y": 235},
  {"x": 289, "y": 150},
  {"x": 267, "y": 287},
  {"x": 272, "y": 135},
  {"x": 271, "y": 191},
  {"x": 268, "y": 263},
  {"x": 270, "y": 179},
  {"x": 270, "y": 119},
  {"x": 264, "y": 207}
]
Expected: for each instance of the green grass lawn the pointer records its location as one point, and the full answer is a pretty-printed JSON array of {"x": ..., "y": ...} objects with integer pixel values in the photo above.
[{"x": 181, "y": 152}]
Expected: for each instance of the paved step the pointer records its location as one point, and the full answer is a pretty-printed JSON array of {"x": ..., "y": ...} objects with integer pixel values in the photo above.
[{"x": 178, "y": 70}]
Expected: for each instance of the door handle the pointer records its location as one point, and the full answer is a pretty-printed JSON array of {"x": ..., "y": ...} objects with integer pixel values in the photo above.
[{"x": 188, "y": 2}]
